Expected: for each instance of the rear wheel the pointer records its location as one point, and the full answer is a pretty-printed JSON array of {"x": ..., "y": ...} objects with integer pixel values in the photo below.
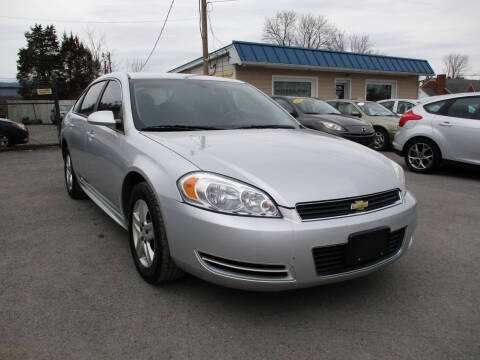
[
  {"x": 422, "y": 155},
  {"x": 3, "y": 142},
  {"x": 148, "y": 239},
  {"x": 71, "y": 182},
  {"x": 382, "y": 140}
]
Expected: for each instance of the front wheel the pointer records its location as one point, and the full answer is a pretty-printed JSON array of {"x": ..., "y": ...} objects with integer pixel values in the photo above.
[
  {"x": 71, "y": 182},
  {"x": 148, "y": 239},
  {"x": 382, "y": 140},
  {"x": 422, "y": 155},
  {"x": 3, "y": 141}
]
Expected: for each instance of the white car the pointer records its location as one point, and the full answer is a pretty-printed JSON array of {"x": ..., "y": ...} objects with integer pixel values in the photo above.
[
  {"x": 440, "y": 128},
  {"x": 399, "y": 106}
]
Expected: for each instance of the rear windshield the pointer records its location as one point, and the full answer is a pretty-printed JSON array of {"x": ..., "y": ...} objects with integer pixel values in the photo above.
[
  {"x": 203, "y": 103},
  {"x": 374, "y": 109},
  {"x": 314, "y": 106}
]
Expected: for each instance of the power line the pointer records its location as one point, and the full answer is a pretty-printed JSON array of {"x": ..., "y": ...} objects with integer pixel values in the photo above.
[
  {"x": 211, "y": 29},
  {"x": 159, "y": 35},
  {"x": 90, "y": 21}
]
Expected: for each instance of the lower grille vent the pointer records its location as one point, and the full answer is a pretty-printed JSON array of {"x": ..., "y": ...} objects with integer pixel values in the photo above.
[{"x": 243, "y": 269}]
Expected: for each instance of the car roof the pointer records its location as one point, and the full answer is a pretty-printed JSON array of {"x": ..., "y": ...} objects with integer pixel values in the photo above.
[
  {"x": 172, "y": 76},
  {"x": 398, "y": 99},
  {"x": 431, "y": 99}
]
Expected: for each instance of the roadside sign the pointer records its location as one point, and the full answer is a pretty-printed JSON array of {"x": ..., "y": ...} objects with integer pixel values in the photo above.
[{"x": 44, "y": 91}]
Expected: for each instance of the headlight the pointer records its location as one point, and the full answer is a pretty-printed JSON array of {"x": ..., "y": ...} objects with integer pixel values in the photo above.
[
  {"x": 19, "y": 126},
  {"x": 332, "y": 126},
  {"x": 218, "y": 193},
  {"x": 401, "y": 177}
]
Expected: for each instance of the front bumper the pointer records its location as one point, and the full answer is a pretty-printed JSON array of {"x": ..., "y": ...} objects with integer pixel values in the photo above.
[
  {"x": 272, "y": 243},
  {"x": 364, "y": 139}
]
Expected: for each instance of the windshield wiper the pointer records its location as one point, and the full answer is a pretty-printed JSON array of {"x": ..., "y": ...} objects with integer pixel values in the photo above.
[
  {"x": 178, "y": 128},
  {"x": 273, "y": 126}
]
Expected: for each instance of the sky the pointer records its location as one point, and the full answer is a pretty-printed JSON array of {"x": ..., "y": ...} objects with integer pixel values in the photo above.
[{"x": 409, "y": 28}]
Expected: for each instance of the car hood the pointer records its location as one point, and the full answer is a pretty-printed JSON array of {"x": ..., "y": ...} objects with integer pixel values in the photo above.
[{"x": 291, "y": 165}]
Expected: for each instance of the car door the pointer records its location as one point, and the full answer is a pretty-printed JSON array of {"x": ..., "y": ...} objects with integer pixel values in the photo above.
[
  {"x": 105, "y": 143},
  {"x": 459, "y": 127},
  {"x": 76, "y": 128}
]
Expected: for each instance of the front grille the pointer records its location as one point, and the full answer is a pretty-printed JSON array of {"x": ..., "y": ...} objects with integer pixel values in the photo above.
[
  {"x": 330, "y": 260},
  {"x": 243, "y": 269},
  {"x": 342, "y": 207}
]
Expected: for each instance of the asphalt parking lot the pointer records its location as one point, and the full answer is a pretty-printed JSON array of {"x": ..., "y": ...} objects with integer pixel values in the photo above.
[{"x": 69, "y": 289}]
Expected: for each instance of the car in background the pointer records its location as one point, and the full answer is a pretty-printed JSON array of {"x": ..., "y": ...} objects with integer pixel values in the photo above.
[
  {"x": 383, "y": 120},
  {"x": 318, "y": 115},
  {"x": 12, "y": 133},
  {"x": 63, "y": 110},
  {"x": 211, "y": 176},
  {"x": 399, "y": 106},
  {"x": 445, "y": 127}
]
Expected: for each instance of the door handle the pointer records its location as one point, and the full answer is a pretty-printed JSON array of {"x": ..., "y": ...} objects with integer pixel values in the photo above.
[
  {"x": 90, "y": 135},
  {"x": 446, "y": 123}
]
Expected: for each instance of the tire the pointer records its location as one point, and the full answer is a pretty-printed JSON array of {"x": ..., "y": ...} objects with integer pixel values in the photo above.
[
  {"x": 422, "y": 155},
  {"x": 148, "y": 239},
  {"x": 71, "y": 182},
  {"x": 382, "y": 139},
  {"x": 4, "y": 142}
]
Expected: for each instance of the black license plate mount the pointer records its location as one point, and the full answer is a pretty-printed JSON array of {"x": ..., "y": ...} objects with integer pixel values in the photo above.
[{"x": 366, "y": 246}]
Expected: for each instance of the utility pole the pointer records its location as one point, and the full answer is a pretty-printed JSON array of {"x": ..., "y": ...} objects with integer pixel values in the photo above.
[{"x": 204, "y": 37}]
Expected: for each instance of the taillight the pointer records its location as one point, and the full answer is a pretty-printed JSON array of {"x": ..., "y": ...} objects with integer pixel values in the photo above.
[{"x": 409, "y": 115}]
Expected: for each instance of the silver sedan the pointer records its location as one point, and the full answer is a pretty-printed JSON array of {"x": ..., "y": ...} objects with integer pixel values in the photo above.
[{"x": 212, "y": 177}]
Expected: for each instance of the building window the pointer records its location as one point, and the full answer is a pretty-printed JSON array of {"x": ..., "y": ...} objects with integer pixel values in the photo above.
[
  {"x": 380, "y": 90},
  {"x": 294, "y": 86}
]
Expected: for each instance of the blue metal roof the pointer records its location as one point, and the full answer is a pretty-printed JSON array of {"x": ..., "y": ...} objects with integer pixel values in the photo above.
[{"x": 251, "y": 52}]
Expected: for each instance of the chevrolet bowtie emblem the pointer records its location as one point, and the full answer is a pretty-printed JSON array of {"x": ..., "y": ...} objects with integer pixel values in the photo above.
[{"x": 359, "y": 205}]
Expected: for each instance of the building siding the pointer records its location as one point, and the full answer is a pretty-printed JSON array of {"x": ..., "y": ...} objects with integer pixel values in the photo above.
[{"x": 260, "y": 77}]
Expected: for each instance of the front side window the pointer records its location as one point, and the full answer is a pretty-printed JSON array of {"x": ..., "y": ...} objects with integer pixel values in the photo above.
[
  {"x": 199, "y": 103},
  {"x": 292, "y": 88},
  {"x": 464, "y": 107},
  {"x": 376, "y": 91},
  {"x": 88, "y": 104},
  {"x": 403, "y": 107},
  {"x": 388, "y": 104},
  {"x": 314, "y": 106},
  {"x": 112, "y": 99},
  {"x": 374, "y": 109}
]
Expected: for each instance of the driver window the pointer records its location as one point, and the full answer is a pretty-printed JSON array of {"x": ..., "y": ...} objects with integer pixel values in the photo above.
[{"x": 112, "y": 100}]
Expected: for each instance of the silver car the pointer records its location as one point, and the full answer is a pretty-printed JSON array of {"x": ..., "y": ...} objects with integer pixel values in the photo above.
[
  {"x": 440, "y": 128},
  {"x": 211, "y": 177}
]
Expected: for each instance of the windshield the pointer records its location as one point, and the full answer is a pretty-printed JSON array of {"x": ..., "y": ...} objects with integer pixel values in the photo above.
[
  {"x": 184, "y": 104},
  {"x": 374, "y": 109},
  {"x": 314, "y": 106}
]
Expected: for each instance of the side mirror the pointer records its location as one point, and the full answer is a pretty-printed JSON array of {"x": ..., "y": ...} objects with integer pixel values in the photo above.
[
  {"x": 356, "y": 113},
  {"x": 103, "y": 117}
]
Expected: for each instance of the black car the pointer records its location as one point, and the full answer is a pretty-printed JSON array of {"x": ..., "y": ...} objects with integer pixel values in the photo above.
[
  {"x": 12, "y": 133},
  {"x": 317, "y": 114}
]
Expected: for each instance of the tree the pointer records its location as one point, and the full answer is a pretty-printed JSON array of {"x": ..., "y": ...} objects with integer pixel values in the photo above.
[
  {"x": 102, "y": 56},
  {"x": 78, "y": 67},
  {"x": 314, "y": 32},
  {"x": 310, "y": 31},
  {"x": 360, "y": 44},
  {"x": 281, "y": 28},
  {"x": 455, "y": 65},
  {"x": 39, "y": 61}
]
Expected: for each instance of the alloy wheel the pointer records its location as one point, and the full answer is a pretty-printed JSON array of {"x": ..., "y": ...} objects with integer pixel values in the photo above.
[
  {"x": 379, "y": 141},
  {"x": 69, "y": 172},
  {"x": 3, "y": 142},
  {"x": 143, "y": 235},
  {"x": 420, "y": 156}
]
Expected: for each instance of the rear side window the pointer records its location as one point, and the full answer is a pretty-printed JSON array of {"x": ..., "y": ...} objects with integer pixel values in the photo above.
[
  {"x": 388, "y": 104},
  {"x": 346, "y": 108},
  {"x": 112, "y": 99},
  {"x": 90, "y": 99},
  {"x": 464, "y": 108},
  {"x": 435, "y": 107},
  {"x": 403, "y": 107}
]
